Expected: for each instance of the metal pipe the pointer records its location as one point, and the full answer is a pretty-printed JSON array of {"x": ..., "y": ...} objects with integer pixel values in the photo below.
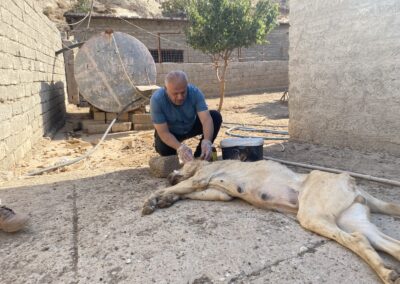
[{"x": 336, "y": 171}]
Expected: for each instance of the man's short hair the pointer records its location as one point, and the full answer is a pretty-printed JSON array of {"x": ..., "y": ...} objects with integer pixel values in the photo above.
[{"x": 177, "y": 76}]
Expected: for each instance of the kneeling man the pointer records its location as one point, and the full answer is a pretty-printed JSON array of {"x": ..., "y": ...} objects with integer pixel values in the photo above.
[{"x": 179, "y": 111}]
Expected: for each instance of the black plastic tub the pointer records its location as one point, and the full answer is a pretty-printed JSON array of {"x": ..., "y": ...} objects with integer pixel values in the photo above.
[{"x": 243, "y": 149}]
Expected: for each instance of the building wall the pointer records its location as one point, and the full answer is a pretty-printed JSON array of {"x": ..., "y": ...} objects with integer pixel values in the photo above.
[
  {"x": 172, "y": 37},
  {"x": 242, "y": 77},
  {"x": 32, "y": 101},
  {"x": 344, "y": 68}
]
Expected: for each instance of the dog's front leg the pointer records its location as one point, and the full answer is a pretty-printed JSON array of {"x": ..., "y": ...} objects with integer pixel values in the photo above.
[{"x": 165, "y": 197}]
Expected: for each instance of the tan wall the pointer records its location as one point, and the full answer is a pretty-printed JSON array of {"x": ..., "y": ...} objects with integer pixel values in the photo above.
[
  {"x": 242, "y": 77},
  {"x": 277, "y": 49},
  {"x": 344, "y": 73},
  {"x": 31, "y": 79}
]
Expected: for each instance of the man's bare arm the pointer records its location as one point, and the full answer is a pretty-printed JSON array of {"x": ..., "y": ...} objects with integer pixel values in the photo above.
[
  {"x": 207, "y": 122},
  {"x": 166, "y": 136}
]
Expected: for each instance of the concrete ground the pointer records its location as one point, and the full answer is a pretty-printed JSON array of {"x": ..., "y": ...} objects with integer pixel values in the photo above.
[{"x": 88, "y": 229}]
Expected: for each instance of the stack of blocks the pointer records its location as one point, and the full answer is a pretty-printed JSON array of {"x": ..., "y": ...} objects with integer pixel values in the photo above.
[{"x": 133, "y": 120}]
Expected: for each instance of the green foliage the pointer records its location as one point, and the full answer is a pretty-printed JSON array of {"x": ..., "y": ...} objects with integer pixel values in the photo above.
[
  {"x": 82, "y": 6},
  {"x": 174, "y": 8},
  {"x": 217, "y": 26}
]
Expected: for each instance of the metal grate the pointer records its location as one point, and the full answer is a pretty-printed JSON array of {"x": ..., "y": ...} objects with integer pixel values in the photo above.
[{"x": 167, "y": 55}]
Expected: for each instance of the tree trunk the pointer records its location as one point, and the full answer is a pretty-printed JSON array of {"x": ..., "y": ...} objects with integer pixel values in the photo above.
[{"x": 221, "y": 80}]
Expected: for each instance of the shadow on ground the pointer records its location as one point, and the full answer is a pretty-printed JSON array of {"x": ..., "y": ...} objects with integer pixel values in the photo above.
[
  {"x": 271, "y": 110},
  {"x": 90, "y": 231}
]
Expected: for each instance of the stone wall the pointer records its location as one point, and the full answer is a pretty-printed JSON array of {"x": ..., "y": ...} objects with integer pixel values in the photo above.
[
  {"x": 242, "y": 77},
  {"x": 32, "y": 100},
  {"x": 171, "y": 32},
  {"x": 344, "y": 73}
]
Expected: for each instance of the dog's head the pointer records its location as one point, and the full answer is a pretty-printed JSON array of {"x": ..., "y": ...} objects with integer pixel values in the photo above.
[{"x": 188, "y": 170}]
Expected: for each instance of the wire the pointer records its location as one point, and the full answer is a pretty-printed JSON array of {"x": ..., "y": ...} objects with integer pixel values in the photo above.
[
  {"x": 88, "y": 153},
  {"x": 91, "y": 151},
  {"x": 90, "y": 17},
  {"x": 336, "y": 171},
  {"x": 153, "y": 34},
  {"x": 80, "y": 21},
  {"x": 242, "y": 124},
  {"x": 124, "y": 69},
  {"x": 73, "y": 161},
  {"x": 249, "y": 129}
]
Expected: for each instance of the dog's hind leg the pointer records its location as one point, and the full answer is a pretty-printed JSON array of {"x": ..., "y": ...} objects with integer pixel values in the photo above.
[
  {"x": 379, "y": 206},
  {"x": 356, "y": 242},
  {"x": 357, "y": 219}
]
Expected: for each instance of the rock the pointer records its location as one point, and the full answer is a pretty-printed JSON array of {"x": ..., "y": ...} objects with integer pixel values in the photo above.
[
  {"x": 303, "y": 249},
  {"x": 162, "y": 166}
]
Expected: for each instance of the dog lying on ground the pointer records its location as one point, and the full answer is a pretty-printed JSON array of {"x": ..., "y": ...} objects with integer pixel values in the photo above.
[{"x": 328, "y": 204}]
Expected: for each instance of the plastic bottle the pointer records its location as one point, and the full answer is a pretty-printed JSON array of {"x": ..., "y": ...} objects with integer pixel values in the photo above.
[{"x": 214, "y": 154}]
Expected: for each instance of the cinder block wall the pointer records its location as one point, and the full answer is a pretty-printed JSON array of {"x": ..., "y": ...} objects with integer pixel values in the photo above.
[
  {"x": 242, "y": 77},
  {"x": 172, "y": 37},
  {"x": 32, "y": 80},
  {"x": 344, "y": 66}
]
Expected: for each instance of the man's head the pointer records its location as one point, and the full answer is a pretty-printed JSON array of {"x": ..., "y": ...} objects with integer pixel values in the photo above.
[{"x": 176, "y": 84}]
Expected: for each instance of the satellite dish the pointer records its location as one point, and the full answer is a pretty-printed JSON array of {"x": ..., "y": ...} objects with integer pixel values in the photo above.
[{"x": 113, "y": 69}]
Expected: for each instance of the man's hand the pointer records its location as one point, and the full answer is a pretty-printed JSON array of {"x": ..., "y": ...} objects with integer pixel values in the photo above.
[
  {"x": 184, "y": 153},
  {"x": 206, "y": 148}
]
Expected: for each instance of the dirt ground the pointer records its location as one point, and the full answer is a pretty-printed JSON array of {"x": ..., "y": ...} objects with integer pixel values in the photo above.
[{"x": 85, "y": 224}]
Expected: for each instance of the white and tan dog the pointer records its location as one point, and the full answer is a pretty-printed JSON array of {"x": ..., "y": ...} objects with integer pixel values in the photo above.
[{"x": 328, "y": 204}]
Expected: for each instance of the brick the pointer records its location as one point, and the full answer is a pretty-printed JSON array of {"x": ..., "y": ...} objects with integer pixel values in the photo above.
[
  {"x": 140, "y": 118},
  {"x": 121, "y": 126},
  {"x": 86, "y": 122},
  {"x": 73, "y": 125},
  {"x": 97, "y": 128},
  {"x": 110, "y": 116},
  {"x": 3, "y": 150},
  {"x": 99, "y": 116},
  {"x": 5, "y": 127},
  {"x": 124, "y": 117},
  {"x": 139, "y": 127},
  {"x": 5, "y": 111}
]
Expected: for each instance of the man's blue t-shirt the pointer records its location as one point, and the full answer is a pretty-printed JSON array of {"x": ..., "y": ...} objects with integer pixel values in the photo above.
[{"x": 180, "y": 119}]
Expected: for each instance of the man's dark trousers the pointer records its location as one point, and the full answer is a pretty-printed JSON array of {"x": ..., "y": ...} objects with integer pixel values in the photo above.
[{"x": 197, "y": 129}]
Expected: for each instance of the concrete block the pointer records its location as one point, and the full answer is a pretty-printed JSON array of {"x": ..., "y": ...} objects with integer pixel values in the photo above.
[
  {"x": 124, "y": 117},
  {"x": 86, "y": 122},
  {"x": 5, "y": 111},
  {"x": 110, "y": 116},
  {"x": 143, "y": 126},
  {"x": 5, "y": 127},
  {"x": 73, "y": 125},
  {"x": 162, "y": 166},
  {"x": 140, "y": 118},
  {"x": 121, "y": 126},
  {"x": 97, "y": 128},
  {"x": 99, "y": 116}
]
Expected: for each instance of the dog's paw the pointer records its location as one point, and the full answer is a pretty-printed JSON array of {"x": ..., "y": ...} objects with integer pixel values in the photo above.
[
  {"x": 158, "y": 201},
  {"x": 149, "y": 206}
]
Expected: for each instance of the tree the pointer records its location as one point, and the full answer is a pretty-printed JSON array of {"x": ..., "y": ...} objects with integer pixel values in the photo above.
[
  {"x": 174, "y": 8},
  {"x": 217, "y": 27}
]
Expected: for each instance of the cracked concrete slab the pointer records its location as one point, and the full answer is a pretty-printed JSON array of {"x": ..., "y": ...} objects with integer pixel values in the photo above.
[{"x": 89, "y": 230}]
